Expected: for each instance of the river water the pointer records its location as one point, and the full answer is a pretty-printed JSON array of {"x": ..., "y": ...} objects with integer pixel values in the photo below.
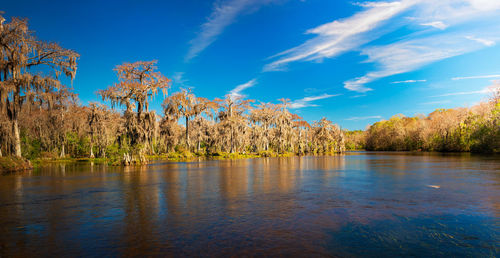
[{"x": 357, "y": 204}]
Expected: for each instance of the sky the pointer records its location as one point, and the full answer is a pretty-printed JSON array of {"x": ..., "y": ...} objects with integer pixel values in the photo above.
[{"x": 352, "y": 62}]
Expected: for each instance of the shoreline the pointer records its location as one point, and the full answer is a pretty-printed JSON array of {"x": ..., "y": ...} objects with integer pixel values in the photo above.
[
  {"x": 7, "y": 164},
  {"x": 10, "y": 164}
]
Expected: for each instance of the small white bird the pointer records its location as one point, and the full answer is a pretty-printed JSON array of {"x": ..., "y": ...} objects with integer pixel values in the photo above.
[{"x": 434, "y": 186}]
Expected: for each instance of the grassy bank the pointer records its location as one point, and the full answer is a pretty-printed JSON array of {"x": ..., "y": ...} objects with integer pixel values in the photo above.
[
  {"x": 12, "y": 164},
  {"x": 186, "y": 155},
  {"x": 16, "y": 164}
]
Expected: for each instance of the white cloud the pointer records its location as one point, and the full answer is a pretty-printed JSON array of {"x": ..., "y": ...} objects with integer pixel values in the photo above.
[
  {"x": 339, "y": 36},
  {"x": 435, "y": 102},
  {"x": 306, "y": 102},
  {"x": 358, "y": 118},
  {"x": 224, "y": 13},
  {"x": 236, "y": 92},
  {"x": 357, "y": 96},
  {"x": 488, "y": 90},
  {"x": 485, "y": 5},
  {"x": 409, "y": 81},
  {"x": 483, "y": 91},
  {"x": 477, "y": 77},
  {"x": 485, "y": 42},
  {"x": 436, "y": 24},
  {"x": 178, "y": 78},
  {"x": 409, "y": 52},
  {"x": 405, "y": 56},
  {"x": 409, "y": 55}
]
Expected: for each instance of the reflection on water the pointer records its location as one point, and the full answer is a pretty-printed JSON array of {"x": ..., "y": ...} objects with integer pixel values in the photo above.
[{"x": 358, "y": 204}]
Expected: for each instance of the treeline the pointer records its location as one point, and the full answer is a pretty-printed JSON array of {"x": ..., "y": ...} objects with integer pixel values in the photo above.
[
  {"x": 41, "y": 117},
  {"x": 475, "y": 129}
]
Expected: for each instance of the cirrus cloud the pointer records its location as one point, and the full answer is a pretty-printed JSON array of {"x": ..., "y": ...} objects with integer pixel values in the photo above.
[
  {"x": 224, "y": 13},
  {"x": 413, "y": 51},
  {"x": 359, "y": 118},
  {"x": 236, "y": 92},
  {"x": 307, "y": 101}
]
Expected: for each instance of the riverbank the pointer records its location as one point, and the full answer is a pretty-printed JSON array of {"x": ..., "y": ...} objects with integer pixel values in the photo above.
[
  {"x": 12, "y": 164},
  {"x": 186, "y": 155},
  {"x": 9, "y": 164}
]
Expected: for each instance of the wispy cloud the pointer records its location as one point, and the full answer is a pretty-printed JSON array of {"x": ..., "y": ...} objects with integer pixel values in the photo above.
[
  {"x": 408, "y": 53},
  {"x": 307, "y": 101},
  {"x": 436, "y": 24},
  {"x": 312, "y": 90},
  {"x": 409, "y": 81},
  {"x": 483, "y": 91},
  {"x": 476, "y": 77},
  {"x": 224, "y": 13},
  {"x": 359, "y": 118},
  {"x": 339, "y": 36},
  {"x": 179, "y": 79},
  {"x": 485, "y": 42},
  {"x": 357, "y": 96},
  {"x": 488, "y": 90},
  {"x": 435, "y": 102},
  {"x": 236, "y": 92}
]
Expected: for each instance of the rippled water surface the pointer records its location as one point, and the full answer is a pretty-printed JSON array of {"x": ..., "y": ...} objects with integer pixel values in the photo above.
[{"x": 358, "y": 204}]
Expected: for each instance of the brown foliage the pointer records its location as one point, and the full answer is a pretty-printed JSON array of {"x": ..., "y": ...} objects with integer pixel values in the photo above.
[{"x": 21, "y": 53}]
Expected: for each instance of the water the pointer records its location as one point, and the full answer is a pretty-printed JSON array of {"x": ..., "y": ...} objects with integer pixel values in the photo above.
[{"x": 358, "y": 204}]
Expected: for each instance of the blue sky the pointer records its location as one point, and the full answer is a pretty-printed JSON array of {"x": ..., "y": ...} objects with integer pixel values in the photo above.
[{"x": 352, "y": 62}]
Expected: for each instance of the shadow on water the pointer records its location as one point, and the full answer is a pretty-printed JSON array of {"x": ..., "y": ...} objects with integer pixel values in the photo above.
[{"x": 358, "y": 204}]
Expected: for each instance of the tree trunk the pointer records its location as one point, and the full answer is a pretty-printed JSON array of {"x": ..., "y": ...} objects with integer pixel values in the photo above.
[
  {"x": 187, "y": 132},
  {"x": 266, "y": 147},
  {"x": 91, "y": 148},
  {"x": 231, "y": 150},
  {"x": 63, "y": 153},
  {"x": 152, "y": 148},
  {"x": 17, "y": 138},
  {"x": 299, "y": 143},
  {"x": 279, "y": 142},
  {"x": 127, "y": 160}
]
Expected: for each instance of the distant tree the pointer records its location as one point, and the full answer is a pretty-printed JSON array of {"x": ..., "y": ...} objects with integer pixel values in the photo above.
[
  {"x": 355, "y": 140},
  {"x": 264, "y": 117},
  {"x": 284, "y": 125},
  {"x": 138, "y": 83},
  {"x": 186, "y": 105},
  {"x": 301, "y": 127},
  {"x": 233, "y": 121},
  {"x": 327, "y": 137},
  {"x": 103, "y": 125}
]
